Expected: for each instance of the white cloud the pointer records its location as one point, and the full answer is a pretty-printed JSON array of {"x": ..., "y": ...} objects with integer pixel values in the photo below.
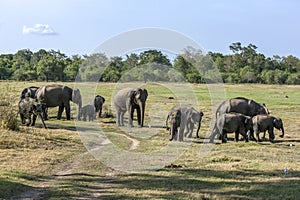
[{"x": 39, "y": 29}]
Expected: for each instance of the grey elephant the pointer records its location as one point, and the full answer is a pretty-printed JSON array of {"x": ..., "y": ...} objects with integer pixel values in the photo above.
[
  {"x": 98, "y": 103},
  {"x": 29, "y": 109},
  {"x": 263, "y": 123},
  {"x": 232, "y": 122},
  {"x": 175, "y": 123},
  {"x": 29, "y": 92},
  {"x": 59, "y": 95},
  {"x": 241, "y": 105},
  {"x": 129, "y": 99},
  {"x": 190, "y": 117},
  {"x": 87, "y": 111}
]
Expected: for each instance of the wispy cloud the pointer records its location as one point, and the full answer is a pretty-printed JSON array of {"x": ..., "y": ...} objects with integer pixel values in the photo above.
[{"x": 39, "y": 29}]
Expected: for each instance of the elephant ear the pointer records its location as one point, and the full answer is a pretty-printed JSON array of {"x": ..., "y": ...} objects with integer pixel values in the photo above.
[
  {"x": 76, "y": 96},
  {"x": 103, "y": 99},
  {"x": 146, "y": 93},
  {"x": 132, "y": 96}
]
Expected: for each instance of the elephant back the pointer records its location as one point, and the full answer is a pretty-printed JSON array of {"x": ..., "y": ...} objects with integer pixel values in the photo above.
[{"x": 51, "y": 95}]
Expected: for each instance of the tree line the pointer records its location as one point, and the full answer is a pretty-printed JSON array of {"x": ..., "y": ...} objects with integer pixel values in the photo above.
[{"x": 244, "y": 65}]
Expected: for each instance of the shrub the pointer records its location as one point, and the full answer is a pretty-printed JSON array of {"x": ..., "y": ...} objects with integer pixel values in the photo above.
[{"x": 8, "y": 115}]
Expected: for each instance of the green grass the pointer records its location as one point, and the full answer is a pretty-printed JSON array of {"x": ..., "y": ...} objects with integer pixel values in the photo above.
[{"x": 30, "y": 158}]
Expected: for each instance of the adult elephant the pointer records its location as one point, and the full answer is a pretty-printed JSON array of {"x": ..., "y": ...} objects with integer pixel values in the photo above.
[
  {"x": 59, "y": 95},
  {"x": 263, "y": 123},
  {"x": 129, "y": 99},
  {"x": 241, "y": 105},
  {"x": 189, "y": 117},
  {"x": 29, "y": 92},
  {"x": 232, "y": 122},
  {"x": 98, "y": 103}
]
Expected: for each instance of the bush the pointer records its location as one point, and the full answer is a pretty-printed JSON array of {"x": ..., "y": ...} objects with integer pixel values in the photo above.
[{"x": 8, "y": 115}]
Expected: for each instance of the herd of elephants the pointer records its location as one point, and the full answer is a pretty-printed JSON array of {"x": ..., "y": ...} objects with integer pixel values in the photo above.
[{"x": 237, "y": 115}]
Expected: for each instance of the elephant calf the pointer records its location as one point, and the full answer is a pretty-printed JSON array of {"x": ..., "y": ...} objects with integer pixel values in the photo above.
[
  {"x": 87, "y": 111},
  {"x": 98, "y": 103},
  {"x": 232, "y": 122},
  {"x": 27, "y": 109},
  {"x": 263, "y": 123},
  {"x": 175, "y": 121},
  {"x": 189, "y": 117}
]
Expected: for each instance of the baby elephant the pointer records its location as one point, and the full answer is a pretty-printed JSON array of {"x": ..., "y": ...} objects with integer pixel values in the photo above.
[
  {"x": 98, "y": 103},
  {"x": 87, "y": 111},
  {"x": 175, "y": 119},
  {"x": 28, "y": 109},
  {"x": 232, "y": 122},
  {"x": 263, "y": 123}
]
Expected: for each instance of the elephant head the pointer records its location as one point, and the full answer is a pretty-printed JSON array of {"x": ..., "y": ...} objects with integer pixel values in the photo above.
[
  {"x": 175, "y": 119},
  {"x": 76, "y": 98},
  {"x": 139, "y": 97},
  {"x": 278, "y": 124}
]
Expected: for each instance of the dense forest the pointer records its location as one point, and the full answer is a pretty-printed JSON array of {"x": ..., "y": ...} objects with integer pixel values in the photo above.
[{"x": 244, "y": 65}]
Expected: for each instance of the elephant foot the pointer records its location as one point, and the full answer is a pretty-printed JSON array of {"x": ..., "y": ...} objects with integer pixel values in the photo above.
[{"x": 259, "y": 140}]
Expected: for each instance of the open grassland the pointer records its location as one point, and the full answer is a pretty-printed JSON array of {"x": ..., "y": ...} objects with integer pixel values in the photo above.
[{"x": 55, "y": 164}]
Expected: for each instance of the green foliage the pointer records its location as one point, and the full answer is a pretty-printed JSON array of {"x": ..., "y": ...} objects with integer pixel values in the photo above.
[{"x": 245, "y": 65}]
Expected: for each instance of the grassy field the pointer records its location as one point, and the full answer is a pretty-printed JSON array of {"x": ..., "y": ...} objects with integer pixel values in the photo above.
[{"x": 55, "y": 163}]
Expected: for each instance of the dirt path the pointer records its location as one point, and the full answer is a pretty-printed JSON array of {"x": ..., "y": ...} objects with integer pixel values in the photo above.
[
  {"x": 134, "y": 143},
  {"x": 77, "y": 168}
]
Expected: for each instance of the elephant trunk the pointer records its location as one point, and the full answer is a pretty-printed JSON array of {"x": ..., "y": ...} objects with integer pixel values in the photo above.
[
  {"x": 282, "y": 129},
  {"x": 172, "y": 131},
  {"x": 142, "y": 108},
  {"x": 79, "y": 108}
]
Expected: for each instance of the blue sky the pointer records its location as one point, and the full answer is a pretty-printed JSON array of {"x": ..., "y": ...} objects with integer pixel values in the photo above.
[{"x": 79, "y": 26}]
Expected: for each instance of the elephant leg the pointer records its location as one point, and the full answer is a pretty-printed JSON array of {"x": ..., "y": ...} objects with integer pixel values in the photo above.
[
  {"x": 68, "y": 111},
  {"x": 42, "y": 120},
  {"x": 33, "y": 120},
  {"x": 45, "y": 112},
  {"x": 264, "y": 136},
  {"x": 257, "y": 135},
  {"x": 138, "y": 110},
  {"x": 130, "y": 118},
  {"x": 29, "y": 120},
  {"x": 213, "y": 135},
  {"x": 244, "y": 134},
  {"x": 22, "y": 118},
  {"x": 191, "y": 129},
  {"x": 181, "y": 130},
  {"x": 60, "y": 110},
  {"x": 100, "y": 113},
  {"x": 118, "y": 118},
  {"x": 121, "y": 120},
  {"x": 252, "y": 135},
  {"x": 224, "y": 137},
  {"x": 236, "y": 138},
  {"x": 271, "y": 135}
]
